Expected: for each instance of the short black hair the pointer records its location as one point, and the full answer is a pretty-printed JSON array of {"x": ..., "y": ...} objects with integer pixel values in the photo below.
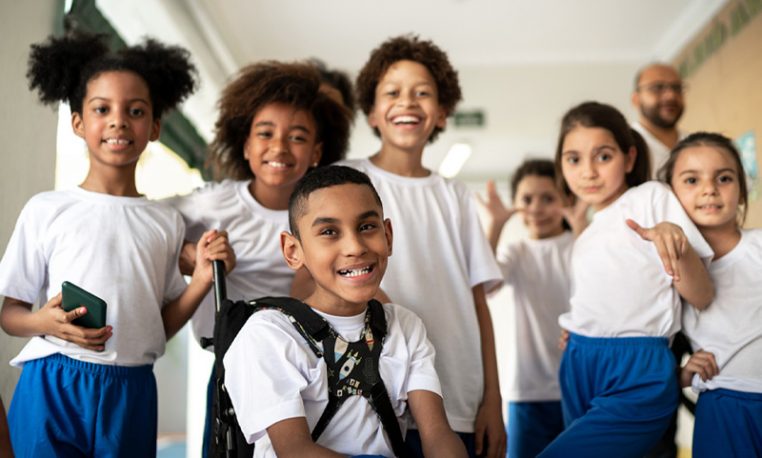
[
  {"x": 320, "y": 178},
  {"x": 60, "y": 68}
]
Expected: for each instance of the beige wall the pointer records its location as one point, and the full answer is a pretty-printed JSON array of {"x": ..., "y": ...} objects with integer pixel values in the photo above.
[
  {"x": 29, "y": 137},
  {"x": 725, "y": 80}
]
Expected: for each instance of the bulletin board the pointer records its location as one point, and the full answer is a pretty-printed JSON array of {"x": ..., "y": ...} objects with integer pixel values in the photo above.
[{"x": 722, "y": 67}]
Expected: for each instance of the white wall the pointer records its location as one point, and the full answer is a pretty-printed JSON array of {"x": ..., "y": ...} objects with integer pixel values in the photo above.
[{"x": 29, "y": 138}]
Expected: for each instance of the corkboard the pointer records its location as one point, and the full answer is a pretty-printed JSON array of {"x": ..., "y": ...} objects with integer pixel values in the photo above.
[{"x": 723, "y": 69}]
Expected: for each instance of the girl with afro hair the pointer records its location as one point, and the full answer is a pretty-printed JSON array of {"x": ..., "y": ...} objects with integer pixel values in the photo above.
[
  {"x": 275, "y": 124},
  {"x": 91, "y": 391}
]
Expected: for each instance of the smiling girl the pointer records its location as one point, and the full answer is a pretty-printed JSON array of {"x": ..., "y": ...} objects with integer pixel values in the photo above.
[
  {"x": 92, "y": 392},
  {"x": 617, "y": 373},
  {"x": 274, "y": 125},
  {"x": 706, "y": 174}
]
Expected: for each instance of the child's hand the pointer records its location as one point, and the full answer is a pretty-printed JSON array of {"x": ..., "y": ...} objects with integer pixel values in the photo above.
[
  {"x": 213, "y": 246},
  {"x": 563, "y": 339},
  {"x": 576, "y": 215},
  {"x": 54, "y": 321},
  {"x": 701, "y": 363},
  {"x": 494, "y": 206},
  {"x": 671, "y": 244},
  {"x": 490, "y": 438}
]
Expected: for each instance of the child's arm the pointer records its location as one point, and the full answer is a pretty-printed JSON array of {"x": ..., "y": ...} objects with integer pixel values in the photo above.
[
  {"x": 291, "y": 437},
  {"x": 212, "y": 246},
  {"x": 489, "y": 420},
  {"x": 18, "y": 319},
  {"x": 691, "y": 278},
  {"x": 497, "y": 212},
  {"x": 701, "y": 363},
  {"x": 436, "y": 436}
]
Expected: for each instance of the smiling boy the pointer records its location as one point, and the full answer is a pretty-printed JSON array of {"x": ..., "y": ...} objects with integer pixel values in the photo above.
[
  {"x": 407, "y": 89},
  {"x": 279, "y": 386}
]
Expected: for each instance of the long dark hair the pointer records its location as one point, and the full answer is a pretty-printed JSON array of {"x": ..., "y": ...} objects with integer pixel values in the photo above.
[{"x": 594, "y": 114}]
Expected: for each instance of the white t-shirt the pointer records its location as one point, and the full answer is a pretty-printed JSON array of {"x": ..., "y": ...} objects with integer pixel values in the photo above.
[
  {"x": 619, "y": 285},
  {"x": 272, "y": 375},
  {"x": 122, "y": 249},
  {"x": 537, "y": 275},
  {"x": 254, "y": 233},
  {"x": 731, "y": 327},
  {"x": 659, "y": 151},
  {"x": 440, "y": 254}
]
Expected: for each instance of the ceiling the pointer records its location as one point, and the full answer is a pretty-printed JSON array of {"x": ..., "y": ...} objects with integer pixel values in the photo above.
[
  {"x": 522, "y": 62},
  {"x": 474, "y": 32}
]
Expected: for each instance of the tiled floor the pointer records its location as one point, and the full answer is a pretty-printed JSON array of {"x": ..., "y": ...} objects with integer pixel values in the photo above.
[{"x": 171, "y": 448}]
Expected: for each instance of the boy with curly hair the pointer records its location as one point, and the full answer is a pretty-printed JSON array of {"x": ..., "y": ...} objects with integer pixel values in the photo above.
[{"x": 407, "y": 89}]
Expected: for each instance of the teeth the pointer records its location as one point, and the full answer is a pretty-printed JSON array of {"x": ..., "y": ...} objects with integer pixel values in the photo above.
[
  {"x": 354, "y": 272},
  {"x": 406, "y": 120},
  {"x": 277, "y": 165},
  {"x": 117, "y": 141}
]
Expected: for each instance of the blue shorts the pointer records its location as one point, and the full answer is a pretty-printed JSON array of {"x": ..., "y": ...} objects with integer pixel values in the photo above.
[
  {"x": 728, "y": 423},
  {"x": 532, "y": 426},
  {"x": 618, "y": 396},
  {"x": 65, "y": 407}
]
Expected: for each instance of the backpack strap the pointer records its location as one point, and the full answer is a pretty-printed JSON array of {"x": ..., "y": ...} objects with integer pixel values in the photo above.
[
  {"x": 313, "y": 327},
  {"x": 340, "y": 360}
]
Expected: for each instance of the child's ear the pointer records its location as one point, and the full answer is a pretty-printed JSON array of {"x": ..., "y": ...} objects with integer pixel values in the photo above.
[
  {"x": 632, "y": 156},
  {"x": 292, "y": 250},
  {"x": 155, "y": 130},
  {"x": 389, "y": 234},
  {"x": 372, "y": 119},
  {"x": 317, "y": 153},
  {"x": 442, "y": 119},
  {"x": 78, "y": 125}
]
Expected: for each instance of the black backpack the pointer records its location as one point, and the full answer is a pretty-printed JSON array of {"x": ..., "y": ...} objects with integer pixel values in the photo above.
[{"x": 227, "y": 438}]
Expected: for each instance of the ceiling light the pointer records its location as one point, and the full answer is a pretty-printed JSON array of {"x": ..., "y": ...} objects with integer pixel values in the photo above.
[{"x": 455, "y": 159}]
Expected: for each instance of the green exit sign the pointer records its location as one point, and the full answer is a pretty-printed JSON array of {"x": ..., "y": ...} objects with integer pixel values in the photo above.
[{"x": 471, "y": 118}]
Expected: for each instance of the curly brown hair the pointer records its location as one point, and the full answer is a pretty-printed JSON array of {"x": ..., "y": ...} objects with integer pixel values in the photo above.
[
  {"x": 409, "y": 47},
  {"x": 260, "y": 84}
]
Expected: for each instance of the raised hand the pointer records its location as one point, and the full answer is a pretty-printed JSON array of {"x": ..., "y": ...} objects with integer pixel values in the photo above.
[
  {"x": 495, "y": 207},
  {"x": 701, "y": 363},
  {"x": 671, "y": 244},
  {"x": 497, "y": 212}
]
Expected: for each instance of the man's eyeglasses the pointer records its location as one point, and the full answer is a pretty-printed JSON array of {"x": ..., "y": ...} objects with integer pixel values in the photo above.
[{"x": 659, "y": 88}]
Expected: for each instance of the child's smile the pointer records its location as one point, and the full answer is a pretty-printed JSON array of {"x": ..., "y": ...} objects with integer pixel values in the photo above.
[
  {"x": 281, "y": 146},
  {"x": 705, "y": 180},
  {"x": 116, "y": 120},
  {"x": 406, "y": 108},
  {"x": 345, "y": 245}
]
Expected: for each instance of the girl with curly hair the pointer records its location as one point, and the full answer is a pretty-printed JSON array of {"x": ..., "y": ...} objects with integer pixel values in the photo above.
[{"x": 85, "y": 391}]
